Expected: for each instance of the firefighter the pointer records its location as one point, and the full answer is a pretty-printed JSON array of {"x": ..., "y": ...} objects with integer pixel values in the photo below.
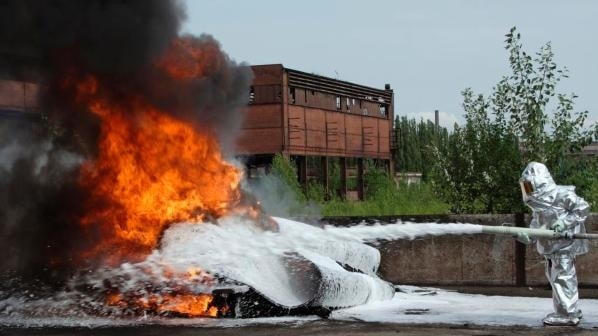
[{"x": 556, "y": 208}]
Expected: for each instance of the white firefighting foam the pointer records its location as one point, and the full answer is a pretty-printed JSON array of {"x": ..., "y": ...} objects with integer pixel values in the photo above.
[{"x": 300, "y": 263}]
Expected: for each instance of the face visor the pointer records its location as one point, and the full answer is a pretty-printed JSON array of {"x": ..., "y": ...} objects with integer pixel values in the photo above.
[{"x": 526, "y": 189}]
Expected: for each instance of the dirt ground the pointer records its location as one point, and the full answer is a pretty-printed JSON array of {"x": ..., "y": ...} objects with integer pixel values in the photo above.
[
  {"x": 320, "y": 327},
  {"x": 336, "y": 328}
]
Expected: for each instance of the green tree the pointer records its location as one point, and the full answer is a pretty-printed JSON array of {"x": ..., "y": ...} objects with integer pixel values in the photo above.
[
  {"x": 479, "y": 169},
  {"x": 414, "y": 140},
  {"x": 582, "y": 173},
  {"x": 479, "y": 161},
  {"x": 285, "y": 170},
  {"x": 525, "y": 97}
]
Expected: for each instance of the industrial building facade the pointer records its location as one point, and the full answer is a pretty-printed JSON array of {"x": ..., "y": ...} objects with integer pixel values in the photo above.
[
  {"x": 18, "y": 98},
  {"x": 311, "y": 118}
]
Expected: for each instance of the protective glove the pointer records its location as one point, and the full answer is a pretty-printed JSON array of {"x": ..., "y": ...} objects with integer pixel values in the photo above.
[
  {"x": 558, "y": 225},
  {"x": 523, "y": 238}
]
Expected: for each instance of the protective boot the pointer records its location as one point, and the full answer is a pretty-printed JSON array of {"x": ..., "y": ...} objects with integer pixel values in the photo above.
[{"x": 554, "y": 319}]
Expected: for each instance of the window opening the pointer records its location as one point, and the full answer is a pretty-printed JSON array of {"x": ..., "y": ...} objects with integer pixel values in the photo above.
[
  {"x": 383, "y": 109},
  {"x": 252, "y": 95},
  {"x": 292, "y": 95}
]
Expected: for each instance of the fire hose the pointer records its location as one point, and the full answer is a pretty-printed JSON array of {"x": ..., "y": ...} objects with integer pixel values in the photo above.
[{"x": 508, "y": 229}]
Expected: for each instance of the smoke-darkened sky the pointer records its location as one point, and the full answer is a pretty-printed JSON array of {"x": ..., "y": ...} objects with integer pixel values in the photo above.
[
  {"x": 429, "y": 50},
  {"x": 100, "y": 63}
]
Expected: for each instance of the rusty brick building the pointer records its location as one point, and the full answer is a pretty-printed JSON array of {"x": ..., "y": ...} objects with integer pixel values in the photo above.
[
  {"x": 316, "y": 120},
  {"x": 18, "y": 98}
]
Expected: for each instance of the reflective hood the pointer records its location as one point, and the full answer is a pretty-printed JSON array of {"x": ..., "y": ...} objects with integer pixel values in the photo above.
[{"x": 536, "y": 182}]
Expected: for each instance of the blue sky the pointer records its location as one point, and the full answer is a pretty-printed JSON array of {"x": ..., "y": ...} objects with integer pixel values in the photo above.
[{"x": 428, "y": 50}]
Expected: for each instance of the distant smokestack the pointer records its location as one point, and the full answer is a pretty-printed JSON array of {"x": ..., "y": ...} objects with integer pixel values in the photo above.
[{"x": 436, "y": 118}]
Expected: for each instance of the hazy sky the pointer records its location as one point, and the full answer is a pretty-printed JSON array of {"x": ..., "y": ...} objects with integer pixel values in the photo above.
[{"x": 429, "y": 51}]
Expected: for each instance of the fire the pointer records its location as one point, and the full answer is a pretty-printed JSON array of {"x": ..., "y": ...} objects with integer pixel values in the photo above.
[
  {"x": 171, "y": 297},
  {"x": 184, "y": 61},
  {"x": 188, "y": 305},
  {"x": 152, "y": 170}
]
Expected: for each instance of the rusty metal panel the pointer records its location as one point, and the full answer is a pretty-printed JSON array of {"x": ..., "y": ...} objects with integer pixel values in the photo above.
[
  {"x": 371, "y": 109},
  {"x": 335, "y": 87},
  {"x": 315, "y": 123},
  {"x": 324, "y": 101},
  {"x": 31, "y": 95},
  {"x": 296, "y": 127},
  {"x": 261, "y": 131},
  {"x": 384, "y": 136},
  {"x": 262, "y": 116},
  {"x": 18, "y": 96},
  {"x": 269, "y": 74},
  {"x": 322, "y": 116},
  {"x": 300, "y": 97},
  {"x": 353, "y": 134},
  {"x": 315, "y": 119},
  {"x": 259, "y": 141},
  {"x": 335, "y": 132},
  {"x": 12, "y": 95},
  {"x": 370, "y": 135},
  {"x": 266, "y": 94}
]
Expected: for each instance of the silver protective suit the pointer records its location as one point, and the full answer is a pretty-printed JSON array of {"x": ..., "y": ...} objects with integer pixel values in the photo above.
[{"x": 557, "y": 207}]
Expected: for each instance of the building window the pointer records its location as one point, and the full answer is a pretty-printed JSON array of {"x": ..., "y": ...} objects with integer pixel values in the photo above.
[
  {"x": 252, "y": 95},
  {"x": 348, "y": 103},
  {"x": 338, "y": 102},
  {"x": 292, "y": 95},
  {"x": 364, "y": 111},
  {"x": 353, "y": 101},
  {"x": 383, "y": 109}
]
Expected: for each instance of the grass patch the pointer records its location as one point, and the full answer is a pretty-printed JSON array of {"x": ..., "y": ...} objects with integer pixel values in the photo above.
[{"x": 414, "y": 199}]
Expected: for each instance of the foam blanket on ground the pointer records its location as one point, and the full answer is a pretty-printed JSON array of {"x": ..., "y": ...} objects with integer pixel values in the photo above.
[{"x": 300, "y": 265}]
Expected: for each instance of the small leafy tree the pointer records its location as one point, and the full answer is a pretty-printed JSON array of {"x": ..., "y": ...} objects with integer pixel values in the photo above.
[
  {"x": 479, "y": 169},
  {"x": 583, "y": 174},
  {"x": 526, "y": 95},
  {"x": 479, "y": 161}
]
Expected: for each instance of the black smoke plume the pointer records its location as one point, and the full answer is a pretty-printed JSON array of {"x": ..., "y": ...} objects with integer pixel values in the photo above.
[{"x": 118, "y": 42}]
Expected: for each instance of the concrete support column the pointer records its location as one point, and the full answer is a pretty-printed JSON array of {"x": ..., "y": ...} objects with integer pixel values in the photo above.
[
  {"x": 324, "y": 179},
  {"x": 360, "y": 181},
  {"x": 302, "y": 170},
  {"x": 343, "y": 169}
]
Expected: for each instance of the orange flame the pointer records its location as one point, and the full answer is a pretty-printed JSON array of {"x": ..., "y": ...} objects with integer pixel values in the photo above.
[
  {"x": 189, "y": 305},
  {"x": 178, "y": 300},
  {"x": 153, "y": 169}
]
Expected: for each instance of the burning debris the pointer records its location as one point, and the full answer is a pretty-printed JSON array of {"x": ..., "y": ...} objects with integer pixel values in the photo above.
[
  {"x": 143, "y": 114},
  {"x": 135, "y": 117},
  {"x": 136, "y": 121}
]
